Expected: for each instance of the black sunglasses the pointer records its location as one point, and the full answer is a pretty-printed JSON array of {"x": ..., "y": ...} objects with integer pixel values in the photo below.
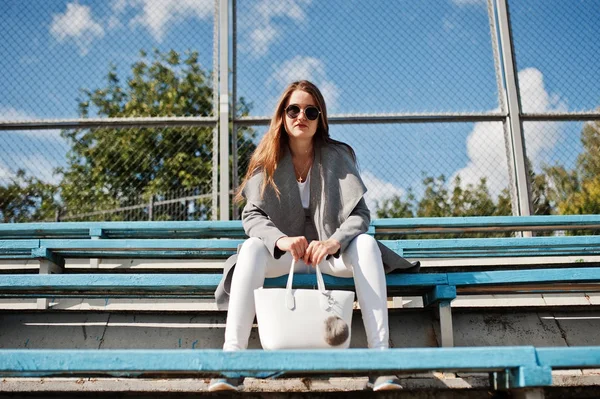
[{"x": 311, "y": 112}]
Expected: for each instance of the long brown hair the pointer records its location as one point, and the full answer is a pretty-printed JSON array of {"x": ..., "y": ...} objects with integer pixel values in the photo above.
[{"x": 269, "y": 151}]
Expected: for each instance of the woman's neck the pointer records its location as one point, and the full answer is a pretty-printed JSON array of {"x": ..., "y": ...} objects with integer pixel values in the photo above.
[{"x": 301, "y": 150}]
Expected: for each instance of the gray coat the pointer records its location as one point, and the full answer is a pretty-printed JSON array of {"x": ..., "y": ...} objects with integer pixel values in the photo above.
[{"x": 337, "y": 207}]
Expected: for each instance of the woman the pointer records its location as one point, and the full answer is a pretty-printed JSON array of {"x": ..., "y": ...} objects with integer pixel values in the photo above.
[{"x": 305, "y": 201}]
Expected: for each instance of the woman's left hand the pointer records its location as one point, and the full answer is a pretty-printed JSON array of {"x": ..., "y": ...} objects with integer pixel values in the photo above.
[{"x": 318, "y": 250}]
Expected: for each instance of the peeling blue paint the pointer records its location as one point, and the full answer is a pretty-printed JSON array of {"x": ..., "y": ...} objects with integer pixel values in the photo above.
[
  {"x": 27, "y": 342},
  {"x": 194, "y": 344},
  {"x": 180, "y": 342},
  {"x": 106, "y": 301}
]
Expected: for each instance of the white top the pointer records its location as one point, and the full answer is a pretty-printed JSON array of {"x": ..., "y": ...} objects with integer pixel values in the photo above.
[{"x": 304, "y": 188}]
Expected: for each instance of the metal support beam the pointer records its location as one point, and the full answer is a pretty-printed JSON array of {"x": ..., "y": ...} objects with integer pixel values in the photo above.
[
  {"x": 234, "y": 135},
  {"x": 513, "y": 119},
  {"x": 446, "y": 329},
  {"x": 224, "y": 110},
  {"x": 214, "y": 206},
  {"x": 522, "y": 377},
  {"x": 443, "y": 295},
  {"x": 47, "y": 266}
]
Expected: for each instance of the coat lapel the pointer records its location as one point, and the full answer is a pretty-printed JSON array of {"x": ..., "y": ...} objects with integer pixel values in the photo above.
[
  {"x": 335, "y": 189},
  {"x": 291, "y": 214},
  {"x": 339, "y": 189}
]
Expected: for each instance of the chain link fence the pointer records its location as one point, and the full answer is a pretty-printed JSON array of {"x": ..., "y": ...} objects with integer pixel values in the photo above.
[
  {"x": 109, "y": 109},
  {"x": 556, "y": 53},
  {"x": 70, "y": 63},
  {"x": 368, "y": 57}
]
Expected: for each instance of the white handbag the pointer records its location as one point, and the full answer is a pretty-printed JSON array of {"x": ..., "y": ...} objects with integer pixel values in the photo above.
[{"x": 303, "y": 318}]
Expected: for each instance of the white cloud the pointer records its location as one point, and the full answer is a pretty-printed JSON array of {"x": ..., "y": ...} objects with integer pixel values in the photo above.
[
  {"x": 13, "y": 114},
  {"x": 5, "y": 173},
  {"x": 157, "y": 17},
  {"x": 262, "y": 38},
  {"x": 534, "y": 96},
  {"x": 263, "y": 30},
  {"x": 119, "y": 6},
  {"x": 377, "y": 190},
  {"x": 309, "y": 68},
  {"x": 36, "y": 151},
  {"x": 78, "y": 25},
  {"x": 486, "y": 148}
]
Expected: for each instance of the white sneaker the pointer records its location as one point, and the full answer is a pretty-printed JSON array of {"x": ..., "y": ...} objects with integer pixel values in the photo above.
[
  {"x": 385, "y": 383},
  {"x": 224, "y": 384}
]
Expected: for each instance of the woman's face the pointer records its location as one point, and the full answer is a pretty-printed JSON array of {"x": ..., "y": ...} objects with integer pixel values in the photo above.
[{"x": 300, "y": 127}]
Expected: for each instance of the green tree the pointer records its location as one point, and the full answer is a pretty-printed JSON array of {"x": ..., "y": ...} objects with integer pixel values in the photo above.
[
  {"x": 577, "y": 191},
  {"x": 112, "y": 168},
  {"x": 440, "y": 199},
  {"x": 396, "y": 207},
  {"x": 26, "y": 199}
]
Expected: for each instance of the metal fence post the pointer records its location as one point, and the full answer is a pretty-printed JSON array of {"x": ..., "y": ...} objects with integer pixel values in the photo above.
[
  {"x": 513, "y": 119},
  {"x": 224, "y": 109},
  {"x": 234, "y": 133},
  {"x": 151, "y": 208},
  {"x": 215, "y": 143}
]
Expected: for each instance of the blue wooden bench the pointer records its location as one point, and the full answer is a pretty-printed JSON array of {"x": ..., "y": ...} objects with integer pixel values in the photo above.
[
  {"x": 437, "y": 289},
  {"x": 52, "y": 243},
  {"x": 55, "y": 241},
  {"x": 211, "y": 229},
  {"x": 509, "y": 366}
]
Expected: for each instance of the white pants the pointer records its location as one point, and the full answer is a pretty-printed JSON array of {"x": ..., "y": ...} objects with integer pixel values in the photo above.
[{"x": 362, "y": 259}]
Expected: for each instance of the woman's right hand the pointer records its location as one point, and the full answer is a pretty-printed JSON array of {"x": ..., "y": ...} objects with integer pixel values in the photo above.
[{"x": 295, "y": 245}]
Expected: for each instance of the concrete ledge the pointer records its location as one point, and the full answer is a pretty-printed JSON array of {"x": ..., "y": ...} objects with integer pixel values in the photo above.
[{"x": 417, "y": 382}]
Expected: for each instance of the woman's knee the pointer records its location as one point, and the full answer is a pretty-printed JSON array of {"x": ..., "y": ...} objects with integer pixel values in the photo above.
[
  {"x": 363, "y": 248},
  {"x": 365, "y": 244},
  {"x": 253, "y": 246}
]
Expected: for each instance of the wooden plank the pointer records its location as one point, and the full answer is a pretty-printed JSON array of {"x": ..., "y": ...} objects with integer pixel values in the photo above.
[
  {"x": 139, "y": 248},
  {"x": 502, "y": 281},
  {"x": 537, "y": 288},
  {"x": 187, "y": 229},
  {"x": 63, "y": 245},
  {"x": 538, "y": 276},
  {"x": 177, "y": 285},
  {"x": 496, "y": 247},
  {"x": 492, "y": 243},
  {"x": 570, "y": 357},
  {"x": 18, "y": 249},
  {"x": 440, "y": 293},
  {"x": 25, "y": 244},
  {"x": 40, "y": 362},
  {"x": 124, "y": 285},
  {"x": 198, "y": 229},
  {"x": 485, "y": 223}
]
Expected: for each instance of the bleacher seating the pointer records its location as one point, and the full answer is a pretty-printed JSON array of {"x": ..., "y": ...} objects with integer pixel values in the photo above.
[{"x": 523, "y": 269}]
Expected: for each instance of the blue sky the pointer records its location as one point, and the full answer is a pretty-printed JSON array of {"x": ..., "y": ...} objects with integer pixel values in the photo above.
[{"x": 367, "y": 57}]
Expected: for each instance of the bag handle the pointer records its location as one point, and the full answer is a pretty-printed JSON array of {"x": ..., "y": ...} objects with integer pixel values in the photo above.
[{"x": 289, "y": 296}]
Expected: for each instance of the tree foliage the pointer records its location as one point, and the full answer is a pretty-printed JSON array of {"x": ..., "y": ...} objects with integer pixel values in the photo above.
[
  {"x": 577, "y": 191},
  {"x": 112, "y": 168},
  {"x": 26, "y": 198},
  {"x": 441, "y": 199},
  {"x": 555, "y": 190},
  {"x": 117, "y": 167}
]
